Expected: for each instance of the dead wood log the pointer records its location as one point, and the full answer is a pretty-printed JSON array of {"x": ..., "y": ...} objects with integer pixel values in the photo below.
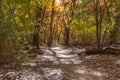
[{"x": 107, "y": 50}]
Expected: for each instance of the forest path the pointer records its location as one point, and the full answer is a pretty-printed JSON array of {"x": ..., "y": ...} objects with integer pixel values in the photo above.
[{"x": 61, "y": 63}]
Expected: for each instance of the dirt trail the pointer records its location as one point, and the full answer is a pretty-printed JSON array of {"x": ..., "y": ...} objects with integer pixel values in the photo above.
[{"x": 61, "y": 63}]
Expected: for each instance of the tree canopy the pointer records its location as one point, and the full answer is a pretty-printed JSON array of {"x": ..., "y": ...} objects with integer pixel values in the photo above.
[{"x": 52, "y": 22}]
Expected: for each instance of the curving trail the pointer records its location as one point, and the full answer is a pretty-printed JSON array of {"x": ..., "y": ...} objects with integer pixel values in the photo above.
[{"x": 60, "y": 63}]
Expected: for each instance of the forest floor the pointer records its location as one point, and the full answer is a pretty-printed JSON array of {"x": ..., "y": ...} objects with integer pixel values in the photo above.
[{"x": 60, "y": 63}]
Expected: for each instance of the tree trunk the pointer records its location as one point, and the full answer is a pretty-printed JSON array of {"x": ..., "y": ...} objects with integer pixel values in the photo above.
[
  {"x": 114, "y": 32},
  {"x": 65, "y": 22},
  {"x": 0, "y": 11},
  {"x": 0, "y": 23},
  {"x": 97, "y": 23},
  {"x": 66, "y": 31},
  {"x": 66, "y": 36},
  {"x": 37, "y": 28},
  {"x": 36, "y": 40},
  {"x": 51, "y": 26}
]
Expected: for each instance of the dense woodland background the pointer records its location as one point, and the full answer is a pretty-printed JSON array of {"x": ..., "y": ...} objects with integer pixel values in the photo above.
[{"x": 30, "y": 24}]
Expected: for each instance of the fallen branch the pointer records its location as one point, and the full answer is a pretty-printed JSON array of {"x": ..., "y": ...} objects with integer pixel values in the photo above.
[{"x": 107, "y": 50}]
